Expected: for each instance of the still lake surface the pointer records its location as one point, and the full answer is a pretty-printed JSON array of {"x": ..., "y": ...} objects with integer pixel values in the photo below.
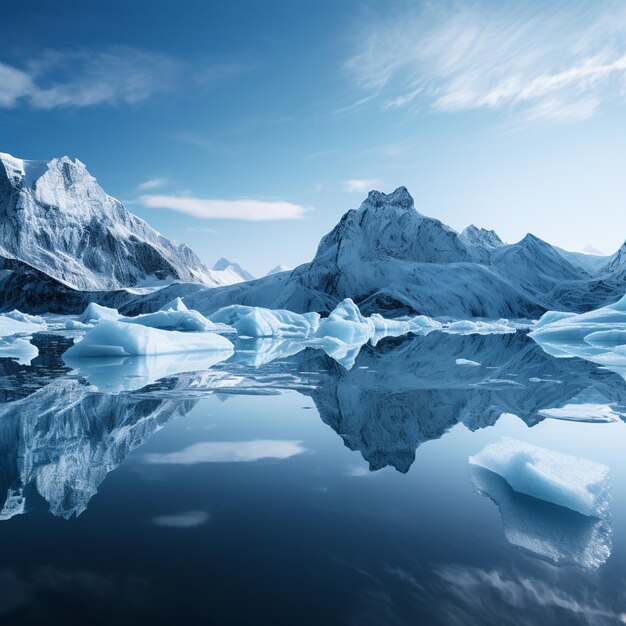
[{"x": 296, "y": 491}]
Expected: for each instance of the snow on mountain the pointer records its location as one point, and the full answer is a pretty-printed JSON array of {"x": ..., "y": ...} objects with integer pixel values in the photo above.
[
  {"x": 278, "y": 269},
  {"x": 616, "y": 263},
  {"x": 389, "y": 258},
  {"x": 482, "y": 237},
  {"x": 234, "y": 271},
  {"x": 55, "y": 218}
]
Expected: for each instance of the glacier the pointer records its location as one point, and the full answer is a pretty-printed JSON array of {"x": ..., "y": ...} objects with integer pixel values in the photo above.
[
  {"x": 571, "y": 482},
  {"x": 117, "y": 339}
]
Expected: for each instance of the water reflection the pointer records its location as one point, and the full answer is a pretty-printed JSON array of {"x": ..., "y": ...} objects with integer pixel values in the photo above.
[{"x": 62, "y": 431}]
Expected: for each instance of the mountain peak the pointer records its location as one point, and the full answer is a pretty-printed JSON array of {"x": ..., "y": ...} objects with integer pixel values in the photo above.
[
  {"x": 399, "y": 198},
  {"x": 221, "y": 264},
  {"x": 482, "y": 237},
  {"x": 224, "y": 265},
  {"x": 55, "y": 217}
]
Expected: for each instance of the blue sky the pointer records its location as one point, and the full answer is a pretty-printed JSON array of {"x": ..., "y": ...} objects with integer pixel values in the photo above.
[{"x": 247, "y": 128}]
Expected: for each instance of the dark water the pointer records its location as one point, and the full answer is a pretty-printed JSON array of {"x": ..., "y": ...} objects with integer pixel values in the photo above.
[{"x": 298, "y": 492}]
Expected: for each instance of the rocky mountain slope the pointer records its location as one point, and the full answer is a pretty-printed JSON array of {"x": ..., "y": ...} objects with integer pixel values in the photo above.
[{"x": 57, "y": 220}]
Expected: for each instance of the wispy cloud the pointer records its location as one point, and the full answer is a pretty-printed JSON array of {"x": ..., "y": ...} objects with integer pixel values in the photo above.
[
  {"x": 87, "y": 78},
  {"x": 152, "y": 183},
  {"x": 229, "y": 452},
  {"x": 215, "y": 208},
  {"x": 112, "y": 76},
  {"x": 551, "y": 62},
  {"x": 360, "y": 185}
]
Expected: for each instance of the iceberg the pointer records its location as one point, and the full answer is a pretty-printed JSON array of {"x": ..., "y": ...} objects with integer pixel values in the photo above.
[
  {"x": 544, "y": 530},
  {"x": 571, "y": 482},
  {"x": 95, "y": 312},
  {"x": 251, "y": 321},
  {"x": 173, "y": 316},
  {"x": 18, "y": 323},
  {"x": 346, "y": 324},
  {"x": 117, "y": 339}
]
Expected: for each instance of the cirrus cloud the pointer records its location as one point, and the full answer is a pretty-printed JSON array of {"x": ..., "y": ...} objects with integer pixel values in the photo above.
[
  {"x": 553, "y": 62},
  {"x": 215, "y": 208}
]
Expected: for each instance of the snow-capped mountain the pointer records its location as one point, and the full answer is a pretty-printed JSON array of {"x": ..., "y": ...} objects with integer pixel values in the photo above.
[
  {"x": 233, "y": 272},
  {"x": 390, "y": 258},
  {"x": 55, "y": 218},
  {"x": 482, "y": 237},
  {"x": 278, "y": 269}
]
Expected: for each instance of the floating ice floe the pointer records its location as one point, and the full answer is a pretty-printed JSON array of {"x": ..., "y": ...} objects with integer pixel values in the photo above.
[
  {"x": 473, "y": 327},
  {"x": 467, "y": 362},
  {"x": 589, "y": 405},
  {"x": 18, "y": 323},
  {"x": 251, "y": 321},
  {"x": 598, "y": 336},
  {"x": 571, "y": 482},
  {"x": 544, "y": 530},
  {"x": 173, "y": 316},
  {"x": 116, "y": 339}
]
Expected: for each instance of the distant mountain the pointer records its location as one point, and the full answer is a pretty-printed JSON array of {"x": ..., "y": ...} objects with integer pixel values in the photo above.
[
  {"x": 232, "y": 270},
  {"x": 590, "y": 262},
  {"x": 278, "y": 269},
  {"x": 390, "y": 258},
  {"x": 57, "y": 220}
]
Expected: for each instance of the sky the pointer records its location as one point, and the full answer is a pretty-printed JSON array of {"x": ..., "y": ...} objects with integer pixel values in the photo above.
[{"x": 246, "y": 128}]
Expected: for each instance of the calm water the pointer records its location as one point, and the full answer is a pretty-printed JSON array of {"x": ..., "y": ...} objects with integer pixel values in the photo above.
[{"x": 298, "y": 492}]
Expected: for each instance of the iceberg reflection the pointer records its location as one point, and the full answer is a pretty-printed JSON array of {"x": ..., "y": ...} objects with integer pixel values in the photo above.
[{"x": 128, "y": 373}]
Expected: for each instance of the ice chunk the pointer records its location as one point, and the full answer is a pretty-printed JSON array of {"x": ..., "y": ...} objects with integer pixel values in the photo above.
[
  {"x": 383, "y": 327},
  {"x": 467, "y": 362},
  {"x": 568, "y": 481},
  {"x": 251, "y": 321},
  {"x": 544, "y": 530},
  {"x": 552, "y": 316},
  {"x": 95, "y": 312},
  {"x": 18, "y": 323},
  {"x": 110, "y": 338},
  {"x": 18, "y": 348},
  {"x": 175, "y": 305},
  {"x": 471, "y": 327},
  {"x": 589, "y": 405},
  {"x": 174, "y": 319},
  {"x": 346, "y": 324}
]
